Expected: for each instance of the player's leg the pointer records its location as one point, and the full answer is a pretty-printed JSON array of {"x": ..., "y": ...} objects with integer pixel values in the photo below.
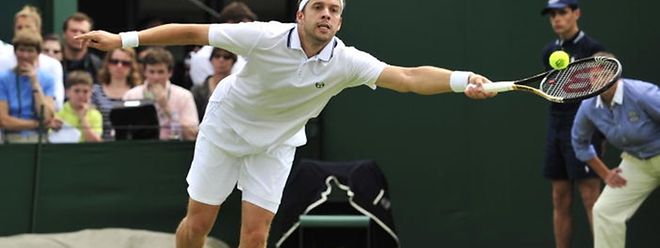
[
  {"x": 197, "y": 224},
  {"x": 255, "y": 225},
  {"x": 562, "y": 189},
  {"x": 562, "y": 198},
  {"x": 212, "y": 177},
  {"x": 262, "y": 181},
  {"x": 616, "y": 206},
  {"x": 589, "y": 190}
]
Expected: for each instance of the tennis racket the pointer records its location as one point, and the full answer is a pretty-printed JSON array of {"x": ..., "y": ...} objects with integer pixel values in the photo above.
[{"x": 581, "y": 79}]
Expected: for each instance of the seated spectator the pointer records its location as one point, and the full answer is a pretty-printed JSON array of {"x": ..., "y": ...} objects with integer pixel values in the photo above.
[
  {"x": 77, "y": 57},
  {"x": 175, "y": 105},
  {"x": 222, "y": 61},
  {"x": 78, "y": 112},
  {"x": 118, "y": 74},
  {"x": 26, "y": 92},
  {"x": 200, "y": 67},
  {"x": 29, "y": 18},
  {"x": 52, "y": 47}
]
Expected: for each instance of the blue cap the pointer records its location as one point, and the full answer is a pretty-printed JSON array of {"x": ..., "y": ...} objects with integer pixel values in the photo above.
[{"x": 558, "y": 4}]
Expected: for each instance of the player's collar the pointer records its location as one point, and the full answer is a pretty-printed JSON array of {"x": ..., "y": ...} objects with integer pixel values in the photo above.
[
  {"x": 326, "y": 53},
  {"x": 580, "y": 34},
  {"x": 617, "y": 98}
]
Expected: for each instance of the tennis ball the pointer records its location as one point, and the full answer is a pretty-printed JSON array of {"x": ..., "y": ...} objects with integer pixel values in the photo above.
[{"x": 559, "y": 60}]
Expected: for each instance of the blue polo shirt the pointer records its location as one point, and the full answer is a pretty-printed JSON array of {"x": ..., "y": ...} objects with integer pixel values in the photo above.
[
  {"x": 631, "y": 122},
  {"x": 17, "y": 92},
  {"x": 579, "y": 47}
]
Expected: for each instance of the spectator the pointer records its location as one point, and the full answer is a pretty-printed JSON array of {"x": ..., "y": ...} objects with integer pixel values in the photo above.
[
  {"x": 78, "y": 111},
  {"x": 26, "y": 92},
  {"x": 28, "y": 18},
  {"x": 174, "y": 104},
  {"x": 118, "y": 74},
  {"x": 75, "y": 56},
  {"x": 222, "y": 61},
  {"x": 52, "y": 47},
  {"x": 200, "y": 67}
]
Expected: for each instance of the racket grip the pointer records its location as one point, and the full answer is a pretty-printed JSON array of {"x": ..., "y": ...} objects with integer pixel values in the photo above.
[{"x": 498, "y": 86}]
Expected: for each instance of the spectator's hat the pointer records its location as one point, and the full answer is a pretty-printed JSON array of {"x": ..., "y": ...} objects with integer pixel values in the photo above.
[{"x": 558, "y": 4}]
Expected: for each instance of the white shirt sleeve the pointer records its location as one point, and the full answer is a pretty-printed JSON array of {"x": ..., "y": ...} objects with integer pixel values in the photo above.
[
  {"x": 365, "y": 68},
  {"x": 238, "y": 38}
]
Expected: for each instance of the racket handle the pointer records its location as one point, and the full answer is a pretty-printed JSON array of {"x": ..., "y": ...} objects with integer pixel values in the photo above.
[{"x": 498, "y": 86}]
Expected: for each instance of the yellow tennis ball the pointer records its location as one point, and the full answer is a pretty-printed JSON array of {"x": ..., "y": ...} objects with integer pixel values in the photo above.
[{"x": 559, "y": 60}]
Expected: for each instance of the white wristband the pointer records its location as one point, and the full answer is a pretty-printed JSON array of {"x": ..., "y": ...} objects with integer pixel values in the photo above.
[
  {"x": 458, "y": 80},
  {"x": 129, "y": 39}
]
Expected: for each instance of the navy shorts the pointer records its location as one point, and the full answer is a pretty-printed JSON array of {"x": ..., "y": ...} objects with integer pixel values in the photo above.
[{"x": 560, "y": 160}]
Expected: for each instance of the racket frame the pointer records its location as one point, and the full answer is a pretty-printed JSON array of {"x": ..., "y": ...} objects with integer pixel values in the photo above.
[{"x": 521, "y": 84}]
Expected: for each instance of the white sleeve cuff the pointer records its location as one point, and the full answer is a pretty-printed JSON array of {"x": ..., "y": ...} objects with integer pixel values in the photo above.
[
  {"x": 458, "y": 80},
  {"x": 129, "y": 39}
]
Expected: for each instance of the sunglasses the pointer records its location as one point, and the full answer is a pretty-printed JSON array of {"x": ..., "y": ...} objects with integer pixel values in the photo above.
[{"x": 125, "y": 63}]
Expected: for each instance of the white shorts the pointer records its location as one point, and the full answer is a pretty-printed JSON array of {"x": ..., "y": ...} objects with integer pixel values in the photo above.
[{"x": 219, "y": 165}]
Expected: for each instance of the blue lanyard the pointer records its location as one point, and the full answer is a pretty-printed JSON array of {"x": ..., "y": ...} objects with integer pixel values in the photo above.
[{"x": 18, "y": 94}]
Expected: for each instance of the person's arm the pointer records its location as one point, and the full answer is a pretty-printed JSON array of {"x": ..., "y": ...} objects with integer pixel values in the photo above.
[
  {"x": 168, "y": 34},
  {"x": 427, "y": 80},
  {"x": 88, "y": 132},
  {"x": 41, "y": 100},
  {"x": 611, "y": 176},
  {"x": 650, "y": 103},
  {"x": 9, "y": 122},
  {"x": 581, "y": 133}
]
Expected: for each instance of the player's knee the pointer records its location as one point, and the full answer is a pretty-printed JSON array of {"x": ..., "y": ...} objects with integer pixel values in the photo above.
[
  {"x": 255, "y": 237},
  {"x": 561, "y": 200},
  {"x": 197, "y": 226}
]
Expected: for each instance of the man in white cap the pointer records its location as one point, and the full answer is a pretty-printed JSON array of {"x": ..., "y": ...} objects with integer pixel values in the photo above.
[{"x": 256, "y": 118}]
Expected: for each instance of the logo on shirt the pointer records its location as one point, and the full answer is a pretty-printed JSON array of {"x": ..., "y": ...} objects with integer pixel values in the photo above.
[
  {"x": 633, "y": 116},
  {"x": 319, "y": 85}
]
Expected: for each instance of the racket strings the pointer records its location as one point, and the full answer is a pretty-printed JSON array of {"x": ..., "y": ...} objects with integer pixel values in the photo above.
[{"x": 581, "y": 79}]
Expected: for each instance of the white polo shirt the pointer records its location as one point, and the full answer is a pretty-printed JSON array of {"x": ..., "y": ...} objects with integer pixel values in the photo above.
[{"x": 280, "y": 89}]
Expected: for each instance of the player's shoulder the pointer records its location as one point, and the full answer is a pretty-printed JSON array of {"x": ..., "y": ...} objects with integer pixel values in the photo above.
[
  {"x": 342, "y": 49},
  {"x": 270, "y": 27}
]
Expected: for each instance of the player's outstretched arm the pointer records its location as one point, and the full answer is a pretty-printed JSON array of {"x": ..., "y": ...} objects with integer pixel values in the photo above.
[
  {"x": 168, "y": 34},
  {"x": 429, "y": 80}
]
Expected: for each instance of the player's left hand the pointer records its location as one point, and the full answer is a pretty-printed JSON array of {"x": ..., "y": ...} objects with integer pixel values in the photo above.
[
  {"x": 474, "y": 89},
  {"x": 101, "y": 40}
]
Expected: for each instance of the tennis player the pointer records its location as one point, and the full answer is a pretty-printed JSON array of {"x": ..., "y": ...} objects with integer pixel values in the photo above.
[{"x": 255, "y": 119}]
